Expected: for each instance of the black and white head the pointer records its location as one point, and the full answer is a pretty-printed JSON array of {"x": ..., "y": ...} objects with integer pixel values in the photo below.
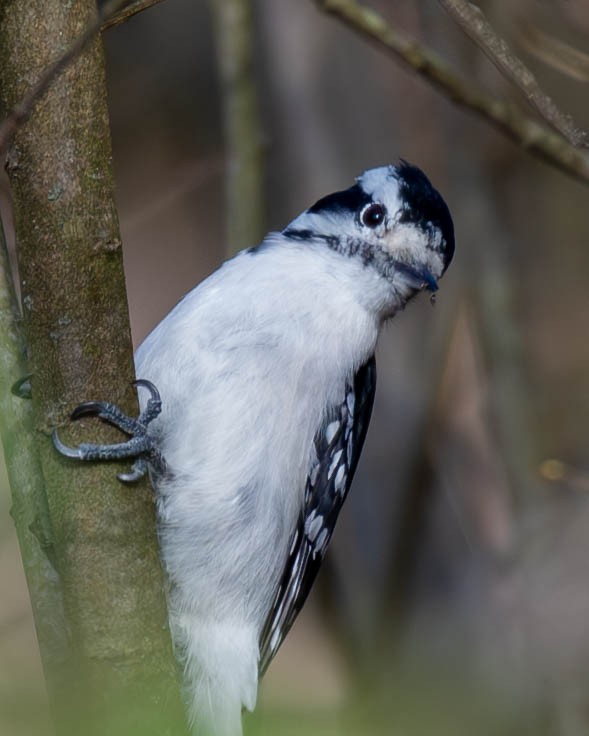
[{"x": 392, "y": 219}]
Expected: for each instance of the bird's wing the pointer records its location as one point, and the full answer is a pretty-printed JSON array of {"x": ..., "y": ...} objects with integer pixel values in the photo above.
[{"x": 337, "y": 445}]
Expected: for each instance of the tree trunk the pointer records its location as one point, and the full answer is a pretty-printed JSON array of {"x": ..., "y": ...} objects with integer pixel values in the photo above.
[{"x": 123, "y": 675}]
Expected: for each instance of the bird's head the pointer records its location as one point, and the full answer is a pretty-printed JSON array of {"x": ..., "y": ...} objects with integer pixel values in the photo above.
[{"x": 392, "y": 219}]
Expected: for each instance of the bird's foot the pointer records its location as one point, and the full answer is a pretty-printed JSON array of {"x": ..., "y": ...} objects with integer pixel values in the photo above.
[{"x": 142, "y": 446}]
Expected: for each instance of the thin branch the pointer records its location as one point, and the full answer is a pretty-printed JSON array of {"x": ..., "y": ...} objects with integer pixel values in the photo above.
[
  {"x": 109, "y": 15},
  {"x": 21, "y": 112},
  {"x": 536, "y": 138},
  {"x": 473, "y": 22},
  {"x": 132, "y": 9},
  {"x": 556, "y": 53}
]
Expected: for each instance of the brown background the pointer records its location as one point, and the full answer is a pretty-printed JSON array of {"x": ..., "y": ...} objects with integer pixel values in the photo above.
[{"x": 456, "y": 594}]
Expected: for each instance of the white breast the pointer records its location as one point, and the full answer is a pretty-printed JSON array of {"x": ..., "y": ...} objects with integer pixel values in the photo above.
[{"x": 246, "y": 365}]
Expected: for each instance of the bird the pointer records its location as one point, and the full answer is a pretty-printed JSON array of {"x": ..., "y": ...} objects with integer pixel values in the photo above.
[{"x": 259, "y": 386}]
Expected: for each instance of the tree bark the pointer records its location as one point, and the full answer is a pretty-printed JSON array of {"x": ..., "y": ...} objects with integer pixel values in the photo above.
[{"x": 122, "y": 671}]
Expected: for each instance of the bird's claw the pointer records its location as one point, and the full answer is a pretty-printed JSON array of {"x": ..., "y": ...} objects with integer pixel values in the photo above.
[
  {"x": 22, "y": 387},
  {"x": 138, "y": 470},
  {"x": 66, "y": 450},
  {"x": 141, "y": 446}
]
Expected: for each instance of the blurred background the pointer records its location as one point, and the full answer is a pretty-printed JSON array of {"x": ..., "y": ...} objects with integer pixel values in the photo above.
[{"x": 455, "y": 596}]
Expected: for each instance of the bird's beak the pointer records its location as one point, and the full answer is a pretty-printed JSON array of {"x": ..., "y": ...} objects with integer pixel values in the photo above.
[{"x": 418, "y": 278}]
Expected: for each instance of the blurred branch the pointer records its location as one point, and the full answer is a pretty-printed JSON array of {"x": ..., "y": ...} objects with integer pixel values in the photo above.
[
  {"x": 554, "y": 52},
  {"x": 123, "y": 15},
  {"x": 502, "y": 345},
  {"x": 30, "y": 510},
  {"x": 473, "y": 22},
  {"x": 243, "y": 139},
  {"x": 536, "y": 138},
  {"x": 21, "y": 112}
]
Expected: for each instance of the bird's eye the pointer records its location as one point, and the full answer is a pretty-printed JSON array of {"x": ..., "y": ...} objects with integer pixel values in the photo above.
[{"x": 373, "y": 215}]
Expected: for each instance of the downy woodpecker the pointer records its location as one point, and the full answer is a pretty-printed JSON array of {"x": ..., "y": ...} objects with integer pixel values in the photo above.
[{"x": 266, "y": 373}]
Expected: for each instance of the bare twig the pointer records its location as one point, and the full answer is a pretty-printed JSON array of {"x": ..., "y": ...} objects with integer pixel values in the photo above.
[
  {"x": 243, "y": 140},
  {"x": 554, "y": 52},
  {"x": 21, "y": 112},
  {"x": 536, "y": 138},
  {"x": 473, "y": 22},
  {"x": 128, "y": 12},
  {"x": 110, "y": 14}
]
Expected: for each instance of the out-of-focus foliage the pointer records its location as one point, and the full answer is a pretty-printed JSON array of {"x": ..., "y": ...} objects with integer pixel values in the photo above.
[{"x": 454, "y": 599}]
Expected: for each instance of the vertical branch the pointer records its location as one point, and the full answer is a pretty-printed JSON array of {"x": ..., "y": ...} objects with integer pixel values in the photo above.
[
  {"x": 502, "y": 344},
  {"x": 245, "y": 211},
  {"x": 29, "y": 503},
  {"x": 78, "y": 338}
]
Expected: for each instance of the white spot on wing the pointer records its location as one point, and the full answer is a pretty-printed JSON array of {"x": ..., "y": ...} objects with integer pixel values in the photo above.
[
  {"x": 334, "y": 463},
  {"x": 350, "y": 401},
  {"x": 350, "y": 447},
  {"x": 321, "y": 542},
  {"x": 340, "y": 479},
  {"x": 331, "y": 430},
  {"x": 313, "y": 526}
]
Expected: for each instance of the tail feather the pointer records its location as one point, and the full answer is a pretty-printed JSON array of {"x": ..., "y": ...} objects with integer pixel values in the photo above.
[{"x": 220, "y": 661}]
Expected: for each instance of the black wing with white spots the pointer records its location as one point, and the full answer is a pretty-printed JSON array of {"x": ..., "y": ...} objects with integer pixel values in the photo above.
[{"x": 337, "y": 446}]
